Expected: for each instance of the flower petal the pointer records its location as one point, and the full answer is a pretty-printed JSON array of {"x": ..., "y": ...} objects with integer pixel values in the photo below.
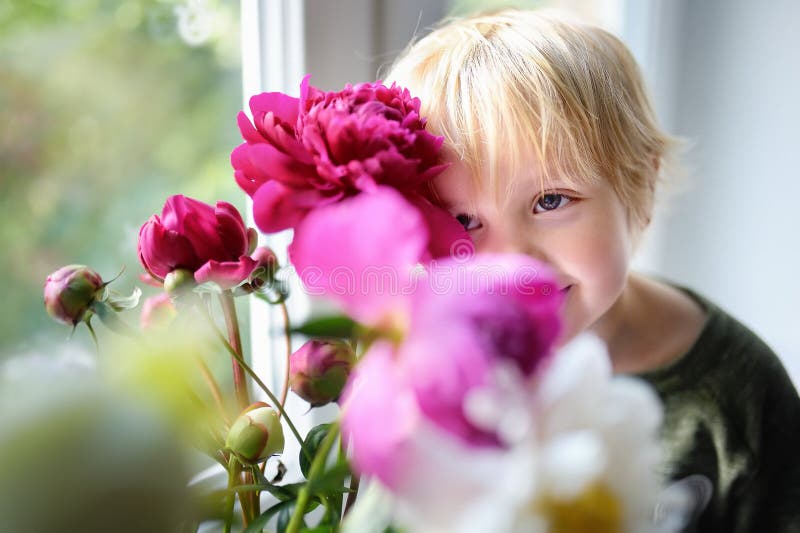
[
  {"x": 360, "y": 252},
  {"x": 282, "y": 106},
  {"x": 379, "y": 416},
  {"x": 448, "y": 237},
  {"x": 226, "y": 274},
  {"x": 275, "y": 209},
  {"x": 231, "y": 230},
  {"x": 249, "y": 132},
  {"x": 162, "y": 250}
]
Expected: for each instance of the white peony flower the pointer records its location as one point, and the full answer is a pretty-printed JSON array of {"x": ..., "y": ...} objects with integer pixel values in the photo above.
[{"x": 580, "y": 453}]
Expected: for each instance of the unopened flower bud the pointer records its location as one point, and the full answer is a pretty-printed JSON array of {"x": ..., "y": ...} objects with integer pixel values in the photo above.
[
  {"x": 255, "y": 434},
  {"x": 318, "y": 370},
  {"x": 267, "y": 259},
  {"x": 179, "y": 281},
  {"x": 70, "y": 291}
]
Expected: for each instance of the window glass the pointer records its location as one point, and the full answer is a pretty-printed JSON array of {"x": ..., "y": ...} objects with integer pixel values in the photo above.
[{"x": 108, "y": 108}]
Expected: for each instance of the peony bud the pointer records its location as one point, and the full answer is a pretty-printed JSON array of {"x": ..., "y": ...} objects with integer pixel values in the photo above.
[
  {"x": 318, "y": 370},
  {"x": 70, "y": 291},
  {"x": 267, "y": 266},
  {"x": 179, "y": 281},
  {"x": 266, "y": 258},
  {"x": 210, "y": 241},
  {"x": 255, "y": 434}
]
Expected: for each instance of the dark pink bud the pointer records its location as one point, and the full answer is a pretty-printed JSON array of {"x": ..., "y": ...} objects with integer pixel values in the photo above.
[
  {"x": 318, "y": 370},
  {"x": 267, "y": 263},
  {"x": 265, "y": 257},
  {"x": 195, "y": 236},
  {"x": 70, "y": 291}
]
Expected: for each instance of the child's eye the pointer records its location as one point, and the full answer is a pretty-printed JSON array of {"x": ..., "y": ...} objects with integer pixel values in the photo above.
[
  {"x": 468, "y": 221},
  {"x": 550, "y": 202}
]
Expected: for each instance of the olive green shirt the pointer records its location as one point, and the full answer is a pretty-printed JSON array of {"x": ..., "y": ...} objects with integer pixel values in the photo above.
[{"x": 732, "y": 414}]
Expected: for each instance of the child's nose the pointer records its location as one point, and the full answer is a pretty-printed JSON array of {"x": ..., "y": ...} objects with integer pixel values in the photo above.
[{"x": 512, "y": 241}]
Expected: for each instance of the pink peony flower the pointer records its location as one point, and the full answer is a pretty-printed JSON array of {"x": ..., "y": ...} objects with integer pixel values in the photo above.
[
  {"x": 471, "y": 319},
  {"x": 380, "y": 416},
  {"x": 360, "y": 252},
  {"x": 70, "y": 291},
  {"x": 300, "y": 154},
  {"x": 452, "y": 327},
  {"x": 319, "y": 369},
  {"x": 212, "y": 242}
]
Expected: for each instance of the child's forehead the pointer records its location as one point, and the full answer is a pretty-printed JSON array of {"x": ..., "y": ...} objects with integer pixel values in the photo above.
[{"x": 460, "y": 185}]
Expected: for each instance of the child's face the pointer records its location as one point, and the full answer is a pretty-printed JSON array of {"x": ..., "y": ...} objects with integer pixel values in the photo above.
[{"x": 582, "y": 234}]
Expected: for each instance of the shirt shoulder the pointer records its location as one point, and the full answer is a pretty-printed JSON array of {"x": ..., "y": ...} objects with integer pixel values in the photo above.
[{"x": 732, "y": 414}]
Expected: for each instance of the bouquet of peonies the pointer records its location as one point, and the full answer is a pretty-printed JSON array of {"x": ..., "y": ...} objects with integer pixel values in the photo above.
[{"x": 457, "y": 411}]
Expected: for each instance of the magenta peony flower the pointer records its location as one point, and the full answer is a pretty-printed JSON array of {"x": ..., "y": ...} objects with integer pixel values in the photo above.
[
  {"x": 300, "y": 154},
  {"x": 212, "y": 242},
  {"x": 319, "y": 369},
  {"x": 70, "y": 291}
]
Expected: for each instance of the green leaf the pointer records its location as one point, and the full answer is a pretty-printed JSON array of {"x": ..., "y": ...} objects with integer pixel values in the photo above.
[
  {"x": 119, "y": 302},
  {"x": 339, "y": 326},
  {"x": 311, "y": 443},
  {"x": 285, "y": 516},
  {"x": 318, "y": 529},
  {"x": 332, "y": 480},
  {"x": 282, "y": 492},
  {"x": 259, "y": 523},
  {"x": 108, "y": 316}
]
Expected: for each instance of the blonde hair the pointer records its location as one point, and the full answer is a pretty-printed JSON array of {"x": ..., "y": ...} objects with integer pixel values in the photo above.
[{"x": 504, "y": 86}]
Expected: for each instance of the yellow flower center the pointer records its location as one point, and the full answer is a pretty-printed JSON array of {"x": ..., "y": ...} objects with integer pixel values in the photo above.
[{"x": 595, "y": 510}]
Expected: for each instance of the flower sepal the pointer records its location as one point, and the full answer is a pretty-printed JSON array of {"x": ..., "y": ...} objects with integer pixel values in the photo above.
[
  {"x": 108, "y": 316},
  {"x": 120, "y": 302}
]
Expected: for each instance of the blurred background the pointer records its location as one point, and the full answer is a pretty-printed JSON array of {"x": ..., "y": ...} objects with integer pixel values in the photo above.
[{"x": 110, "y": 106}]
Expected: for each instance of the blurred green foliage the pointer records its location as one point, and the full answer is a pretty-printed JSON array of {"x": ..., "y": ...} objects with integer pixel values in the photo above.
[{"x": 106, "y": 111}]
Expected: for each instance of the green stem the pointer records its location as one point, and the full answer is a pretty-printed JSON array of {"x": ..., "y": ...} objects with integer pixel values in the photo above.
[
  {"x": 317, "y": 467},
  {"x": 235, "y": 340},
  {"x": 287, "y": 332},
  {"x": 229, "y": 499},
  {"x": 258, "y": 381},
  {"x": 213, "y": 387}
]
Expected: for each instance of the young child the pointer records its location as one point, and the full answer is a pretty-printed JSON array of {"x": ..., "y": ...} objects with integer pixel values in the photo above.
[{"x": 555, "y": 152}]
